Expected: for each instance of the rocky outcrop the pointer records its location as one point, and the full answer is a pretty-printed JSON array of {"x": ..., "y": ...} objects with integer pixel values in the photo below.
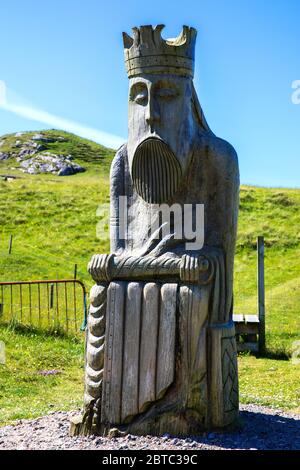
[
  {"x": 33, "y": 157},
  {"x": 50, "y": 163},
  {"x": 42, "y": 138}
]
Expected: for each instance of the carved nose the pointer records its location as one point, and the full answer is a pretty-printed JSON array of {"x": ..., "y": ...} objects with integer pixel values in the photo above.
[{"x": 152, "y": 116}]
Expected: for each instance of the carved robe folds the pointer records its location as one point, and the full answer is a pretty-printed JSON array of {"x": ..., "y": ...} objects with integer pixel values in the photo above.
[
  {"x": 169, "y": 364},
  {"x": 140, "y": 348}
]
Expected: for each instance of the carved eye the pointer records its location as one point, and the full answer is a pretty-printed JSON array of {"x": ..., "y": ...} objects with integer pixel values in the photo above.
[
  {"x": 167, "y": 93},
  {"x": 139, "y": 94},
  {"x": 141, "y": 97}
]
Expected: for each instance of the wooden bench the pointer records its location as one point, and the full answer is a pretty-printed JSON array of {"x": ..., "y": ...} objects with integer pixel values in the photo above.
[
  {"x": 251, "y": 328},
  {"x": 247, "y": 328}
]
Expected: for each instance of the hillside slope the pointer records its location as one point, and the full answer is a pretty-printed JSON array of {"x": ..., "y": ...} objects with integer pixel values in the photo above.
[
  {"x": 53, "y": 221},
  {"x": 15, "y": 148}
]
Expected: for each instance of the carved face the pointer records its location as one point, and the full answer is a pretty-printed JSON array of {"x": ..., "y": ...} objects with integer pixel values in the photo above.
[{"x": 161, "y": 133}]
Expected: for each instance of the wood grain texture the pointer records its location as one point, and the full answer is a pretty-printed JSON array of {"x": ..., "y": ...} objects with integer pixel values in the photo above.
[
  {"x": 113, "y": 370},
  {"x": 261, "y": 292},
  {"x": 224, "y": 375},
  {"x": 130, "y": 356},
  {"x": 166, "y": 339},
  {"x": 149, "y": 335}
]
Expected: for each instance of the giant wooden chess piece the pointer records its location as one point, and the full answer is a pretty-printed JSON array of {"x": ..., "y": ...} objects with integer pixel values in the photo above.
[{"x": 160, "y": 345}]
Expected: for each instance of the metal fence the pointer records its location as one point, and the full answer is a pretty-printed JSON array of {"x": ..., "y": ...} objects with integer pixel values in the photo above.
[{"x": 48, "y": 304}]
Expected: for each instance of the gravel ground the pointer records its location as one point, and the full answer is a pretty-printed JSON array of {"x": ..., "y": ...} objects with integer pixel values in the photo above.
[{"x": 262, "y": 428}]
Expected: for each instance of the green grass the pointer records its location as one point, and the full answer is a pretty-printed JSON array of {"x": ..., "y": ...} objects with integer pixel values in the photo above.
[
  {"x": 53, "y": 222},
  {"x": 269, "y": 382},
  {"x": 53, "y": 219},
  {"x": 24, "y": 392}
]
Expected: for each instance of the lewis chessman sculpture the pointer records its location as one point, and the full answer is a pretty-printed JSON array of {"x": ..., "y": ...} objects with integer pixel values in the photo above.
[{"x": 160, "y": 344}]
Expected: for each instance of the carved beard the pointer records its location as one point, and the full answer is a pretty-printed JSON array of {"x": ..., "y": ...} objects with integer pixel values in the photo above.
[{"x": 156, "y": 172}]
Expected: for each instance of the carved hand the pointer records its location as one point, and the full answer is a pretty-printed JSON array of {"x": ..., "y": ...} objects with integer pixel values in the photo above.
[
  {"x": 192, "y": 267},
  {"x": 97, "y": 267}
]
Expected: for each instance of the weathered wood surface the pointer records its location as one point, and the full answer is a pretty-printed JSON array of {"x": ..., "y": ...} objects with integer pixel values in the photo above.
[
  {"x": 149, "y": 332},
  {"x": 166, "y": 339},
  {"x": 245, "y": 318},
  {"x": 248, "y": 346},
  {"x": 130, "y": 355},
  {"x": 224, "y": 378},
  {"x": 111, "y": 397},
  {"x": 251, "y": 319},
  {"x": 248, "y": 326},
  {"x": 261, "y": 292},
  {"x": 140, "y": 348},
  {"x": 238, "y": 317}
]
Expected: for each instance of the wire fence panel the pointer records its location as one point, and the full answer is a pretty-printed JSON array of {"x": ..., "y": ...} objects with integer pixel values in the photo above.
[{"x": 46, "y": 304}]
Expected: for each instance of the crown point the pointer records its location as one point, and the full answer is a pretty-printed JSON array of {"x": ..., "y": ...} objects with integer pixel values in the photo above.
[
  {"x": 157, "y": 33},
  {"x": 192, "y": 33},
  {"x": 136, "y": 36},
  {"x": 146, "y": 34},
  {"x": 158, "y": 28},
  {"x": 127, "y": 40}
]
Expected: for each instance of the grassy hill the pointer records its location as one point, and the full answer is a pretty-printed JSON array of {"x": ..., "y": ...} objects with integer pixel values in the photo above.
[
  {"x": 91, "y": 155},
  {"x": 53, "y": 222}
]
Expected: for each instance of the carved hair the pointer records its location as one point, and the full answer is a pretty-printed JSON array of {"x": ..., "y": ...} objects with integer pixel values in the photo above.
[{"x": 199, "y": 115}]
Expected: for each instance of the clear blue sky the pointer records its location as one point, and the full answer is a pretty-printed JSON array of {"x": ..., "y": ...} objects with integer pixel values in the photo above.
[{"x": 66, "y": 57}]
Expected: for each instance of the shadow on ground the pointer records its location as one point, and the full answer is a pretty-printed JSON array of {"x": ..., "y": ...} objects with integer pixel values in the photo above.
[{"x": 258, "y": 430}]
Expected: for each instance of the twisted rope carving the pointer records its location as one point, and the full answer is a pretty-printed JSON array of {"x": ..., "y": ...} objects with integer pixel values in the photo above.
[
  {"x": 95, "y": 343},
  {"x": 194, "y": 269}
]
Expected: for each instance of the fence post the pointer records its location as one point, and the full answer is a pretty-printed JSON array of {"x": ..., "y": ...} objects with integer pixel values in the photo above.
[
  {"x": 51, "y": 295},
  {"x": 75, "y": 271},
  {"x": 10, "y": 244},
  {"x": 261, "y": 293}
]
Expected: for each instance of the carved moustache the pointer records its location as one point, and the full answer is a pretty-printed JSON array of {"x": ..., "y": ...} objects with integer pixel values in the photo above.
[{"x": 156, "y": 172}]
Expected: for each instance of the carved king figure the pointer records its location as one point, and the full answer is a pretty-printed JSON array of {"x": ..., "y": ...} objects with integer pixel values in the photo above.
[{"x": 160, "y": 340}]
